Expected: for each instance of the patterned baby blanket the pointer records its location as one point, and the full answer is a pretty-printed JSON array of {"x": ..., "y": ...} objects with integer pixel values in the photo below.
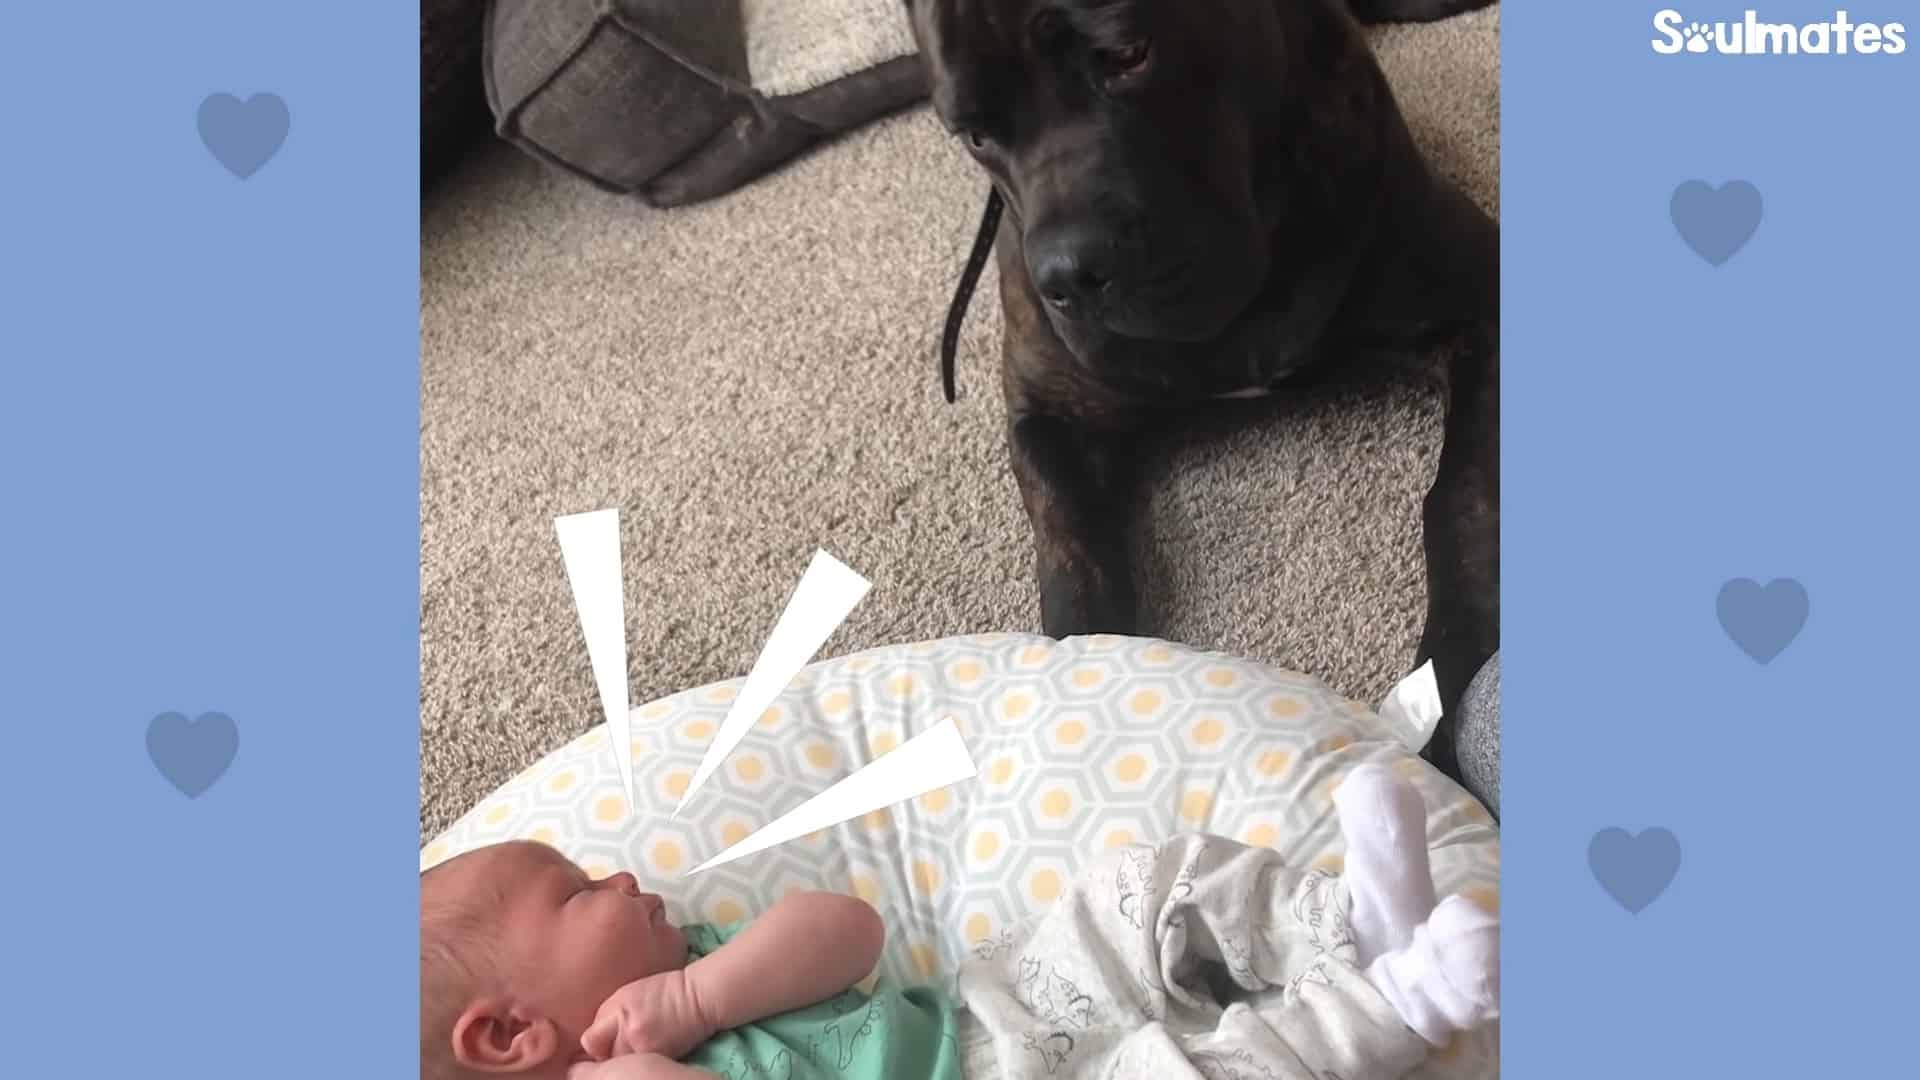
[{"x": 1199, "y": 958}]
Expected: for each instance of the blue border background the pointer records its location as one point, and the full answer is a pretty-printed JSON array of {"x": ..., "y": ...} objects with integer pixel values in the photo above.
[
  {"x": 209, "y": 431},
  {"x": 211, "y": 446},
  {"x": 1669, "y": 426}
]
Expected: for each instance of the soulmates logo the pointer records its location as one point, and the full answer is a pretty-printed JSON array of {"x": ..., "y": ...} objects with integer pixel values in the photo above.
[{"x": 1752, "y": 37}]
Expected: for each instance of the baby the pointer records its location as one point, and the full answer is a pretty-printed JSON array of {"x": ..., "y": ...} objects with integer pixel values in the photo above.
[
  {"x": 1200, "y": 957},
  {"x": 529, "y": 967}
]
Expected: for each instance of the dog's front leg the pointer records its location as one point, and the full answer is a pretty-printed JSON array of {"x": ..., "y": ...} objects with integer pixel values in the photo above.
[
  {"x": 1077, "y": 486},
  {"x": 1462, "y": 533}
]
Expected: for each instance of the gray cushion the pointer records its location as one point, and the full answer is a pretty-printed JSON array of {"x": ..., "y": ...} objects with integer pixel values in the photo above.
[
  {"x": 654, "y": 98},
  {"x": 1478, "y": 739}
]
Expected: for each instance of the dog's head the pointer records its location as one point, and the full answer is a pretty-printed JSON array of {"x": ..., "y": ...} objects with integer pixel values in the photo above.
[{"x": 1129, "y": 139}]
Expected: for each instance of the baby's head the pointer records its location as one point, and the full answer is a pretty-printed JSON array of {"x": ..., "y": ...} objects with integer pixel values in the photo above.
[{"x": 518, "y": 949}]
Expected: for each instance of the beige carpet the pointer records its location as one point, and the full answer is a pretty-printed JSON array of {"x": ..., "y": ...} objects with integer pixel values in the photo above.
[{"x": 754, "y": 378}]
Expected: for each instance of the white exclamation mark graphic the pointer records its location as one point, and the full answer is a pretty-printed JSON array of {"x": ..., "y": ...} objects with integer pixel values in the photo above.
[
  {"x": 933, "y": 759},
  {"x": 590, "y": 544},
  {"x": 828, "y": 593}
]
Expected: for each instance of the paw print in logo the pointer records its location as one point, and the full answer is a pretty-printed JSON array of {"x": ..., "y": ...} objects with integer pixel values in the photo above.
[{"x": 1697, "y": 37}]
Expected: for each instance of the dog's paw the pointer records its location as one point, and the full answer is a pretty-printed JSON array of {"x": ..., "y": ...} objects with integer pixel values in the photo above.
[{"x": 1696, "y": 36}]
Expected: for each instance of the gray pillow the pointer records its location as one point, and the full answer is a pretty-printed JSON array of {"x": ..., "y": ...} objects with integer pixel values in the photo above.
[
  {"x": 658, "y": 98},
  {"x": 1478, "y": 739}
]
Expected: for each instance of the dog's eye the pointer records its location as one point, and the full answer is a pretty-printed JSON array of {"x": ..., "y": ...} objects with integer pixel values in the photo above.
[
  {"x": 1125, "y": 60},
  {"x": 973, "y": 138}
]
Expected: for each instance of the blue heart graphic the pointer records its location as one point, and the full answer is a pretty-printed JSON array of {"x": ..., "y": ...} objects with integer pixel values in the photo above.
[
  {"x": 1634, "y": 870},
  {"x": 244, "y": 135},
  {"x": 1762, "y": 621},
  {"x": 1716, "y": 223},
  {"x": 192, "y": 754}
]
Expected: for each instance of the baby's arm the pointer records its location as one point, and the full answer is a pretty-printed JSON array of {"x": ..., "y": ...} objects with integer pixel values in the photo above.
[
  {"x": 636, "y": 1067},
  {"x": 808, "y": 947}
]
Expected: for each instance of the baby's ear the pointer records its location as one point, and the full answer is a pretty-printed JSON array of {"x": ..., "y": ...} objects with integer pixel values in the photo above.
[{"x": 497, "y": 1035}]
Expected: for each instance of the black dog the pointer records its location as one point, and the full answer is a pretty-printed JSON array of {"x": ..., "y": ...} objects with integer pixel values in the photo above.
[{"x": 1193, "y": 200}]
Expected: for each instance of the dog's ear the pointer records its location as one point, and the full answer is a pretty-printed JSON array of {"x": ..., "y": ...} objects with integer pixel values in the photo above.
[{"x": 1339, "y": 132}]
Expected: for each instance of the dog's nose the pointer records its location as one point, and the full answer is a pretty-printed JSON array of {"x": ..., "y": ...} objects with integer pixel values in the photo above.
[{"x": 1071, "y": 263}]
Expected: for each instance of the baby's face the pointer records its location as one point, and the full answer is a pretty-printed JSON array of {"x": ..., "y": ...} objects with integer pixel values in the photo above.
[{"x": 573, "y": 941}]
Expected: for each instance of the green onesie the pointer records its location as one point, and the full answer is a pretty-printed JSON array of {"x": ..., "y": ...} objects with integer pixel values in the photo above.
[{"x": 894, "y": 1034}]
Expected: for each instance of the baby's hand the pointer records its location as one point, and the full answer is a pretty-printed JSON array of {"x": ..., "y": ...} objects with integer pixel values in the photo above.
[{"x": 654, "y": 1015}]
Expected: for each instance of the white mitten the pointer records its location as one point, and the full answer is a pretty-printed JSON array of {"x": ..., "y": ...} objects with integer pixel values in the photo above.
[
  {"x": 1438, "y": 966},
  {"x": 1387, "y": 872},
  {"x": 1448, "y": 980}
]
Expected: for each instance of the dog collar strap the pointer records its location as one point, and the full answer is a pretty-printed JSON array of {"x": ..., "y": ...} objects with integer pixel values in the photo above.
[{"x": 976, "y": 263}]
